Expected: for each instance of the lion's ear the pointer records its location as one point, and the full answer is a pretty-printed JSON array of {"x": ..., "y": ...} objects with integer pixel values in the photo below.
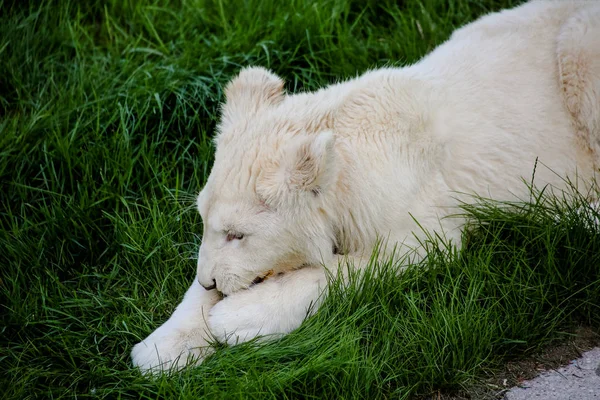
[
  {"x": 309, "y": 163},
  {"x": 252, "y": 89},
  {"x": 306, "y": 166}
]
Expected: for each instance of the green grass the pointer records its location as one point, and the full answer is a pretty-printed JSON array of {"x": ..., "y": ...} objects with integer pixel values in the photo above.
[{"x": 106, "y": 114}]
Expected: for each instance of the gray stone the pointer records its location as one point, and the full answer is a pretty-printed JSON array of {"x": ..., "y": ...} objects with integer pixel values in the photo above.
[{"x": 580, "y": 380}]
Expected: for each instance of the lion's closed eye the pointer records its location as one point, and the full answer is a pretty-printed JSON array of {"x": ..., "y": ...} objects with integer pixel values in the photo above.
[{"x": 234, "y": 236}]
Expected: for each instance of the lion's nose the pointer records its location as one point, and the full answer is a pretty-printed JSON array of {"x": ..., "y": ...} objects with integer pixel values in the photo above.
[{"x": 211, "y": 287}]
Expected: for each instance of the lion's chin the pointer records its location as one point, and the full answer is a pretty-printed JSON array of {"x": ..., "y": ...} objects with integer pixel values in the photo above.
[
  {"x": 256, "y": 281},
  {"x": 261, "y": 279}
]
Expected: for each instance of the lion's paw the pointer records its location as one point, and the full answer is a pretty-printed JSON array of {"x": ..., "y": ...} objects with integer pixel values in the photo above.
[
  {"x": 170, "y": 350},
  {"x": 240, "y": 318}
]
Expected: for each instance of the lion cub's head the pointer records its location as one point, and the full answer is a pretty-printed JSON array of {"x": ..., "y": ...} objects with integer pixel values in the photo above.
[{"x": 264, "y": 206}]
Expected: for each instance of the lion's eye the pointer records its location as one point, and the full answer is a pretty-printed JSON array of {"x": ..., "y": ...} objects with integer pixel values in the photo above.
[{"x": 234, "y": 236}]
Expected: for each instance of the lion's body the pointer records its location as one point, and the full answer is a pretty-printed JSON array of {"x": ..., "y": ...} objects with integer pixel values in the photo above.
[{"x": 313, "y": 178}]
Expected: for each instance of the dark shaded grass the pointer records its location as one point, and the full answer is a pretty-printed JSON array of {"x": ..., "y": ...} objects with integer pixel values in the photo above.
[{"x": 106, "y": 114}]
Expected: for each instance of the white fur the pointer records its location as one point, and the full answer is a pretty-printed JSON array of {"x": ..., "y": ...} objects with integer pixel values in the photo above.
[
  {"x": 301, "y": 175},
  {"x": 184, "y": 336}
]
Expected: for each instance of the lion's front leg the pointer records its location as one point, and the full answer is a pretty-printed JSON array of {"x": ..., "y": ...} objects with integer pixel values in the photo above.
[
  {"x": 182, "y": 339},
  {"x": 272, "y": 308}
]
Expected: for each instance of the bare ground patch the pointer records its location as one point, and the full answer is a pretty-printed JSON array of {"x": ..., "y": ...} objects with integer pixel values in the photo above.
[{"x": 551, "y": 356}]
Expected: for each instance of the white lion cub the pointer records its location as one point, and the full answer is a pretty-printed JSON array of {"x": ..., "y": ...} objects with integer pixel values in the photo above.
[{"x": 302, "y": 182}]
